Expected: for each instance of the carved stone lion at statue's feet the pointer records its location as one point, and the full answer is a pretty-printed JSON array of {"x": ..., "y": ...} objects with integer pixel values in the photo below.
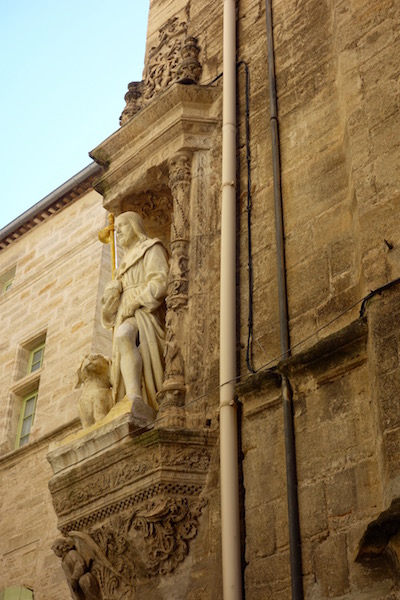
[{"x": 96, "y": 399}]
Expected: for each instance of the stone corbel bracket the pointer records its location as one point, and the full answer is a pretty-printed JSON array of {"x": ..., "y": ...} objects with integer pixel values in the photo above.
[
  {"x": 131, "y": 504},
  {"x": 135, "y": 158}
]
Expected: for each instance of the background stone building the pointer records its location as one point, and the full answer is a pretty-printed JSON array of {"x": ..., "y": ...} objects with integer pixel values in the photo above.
[
  {"x": 145, "y": 509},
  {"x": 52, "y": 272}
]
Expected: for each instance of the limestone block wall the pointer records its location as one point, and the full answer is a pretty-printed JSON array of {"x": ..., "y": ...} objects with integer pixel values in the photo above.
[
  {"x": 29, "y": 525},
  {"x": 338, "y": 141},
  {"x": 61, "y": 269},
  {"x": 347, "y": 452}
]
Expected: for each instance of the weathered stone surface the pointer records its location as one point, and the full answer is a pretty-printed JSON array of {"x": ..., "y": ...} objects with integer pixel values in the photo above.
[
  {"x": 272, "y": 573},
  {"x": 313, "y": 510},
  {"x": 331, "y": 566}
]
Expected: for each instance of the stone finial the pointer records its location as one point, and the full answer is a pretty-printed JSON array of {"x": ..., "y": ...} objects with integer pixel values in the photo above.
[
  {"x": 133, "y": 99},
  {"x": 189, "y": 70}
]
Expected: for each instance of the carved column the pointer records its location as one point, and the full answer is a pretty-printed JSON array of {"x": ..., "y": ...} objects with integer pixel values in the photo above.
[{"x": 172, "y": 396}]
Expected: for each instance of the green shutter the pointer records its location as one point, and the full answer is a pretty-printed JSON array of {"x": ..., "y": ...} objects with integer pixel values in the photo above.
[{"x": 16, "y": 593}]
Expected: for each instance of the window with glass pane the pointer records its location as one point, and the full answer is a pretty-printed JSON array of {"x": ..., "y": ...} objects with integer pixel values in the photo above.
[
  {"x": 26, "y": 419},
  {"x": 6, "y": 281},
  {"x": 7, "y": 285},
  {"x": 36, "y": 358}
]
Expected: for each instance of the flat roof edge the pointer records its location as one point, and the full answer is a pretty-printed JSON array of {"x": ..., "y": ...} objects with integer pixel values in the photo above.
[{"x": 82, "y": 176}]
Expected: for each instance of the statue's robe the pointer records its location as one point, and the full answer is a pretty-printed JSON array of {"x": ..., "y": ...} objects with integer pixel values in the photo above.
[{"x": 143, "y": 274}]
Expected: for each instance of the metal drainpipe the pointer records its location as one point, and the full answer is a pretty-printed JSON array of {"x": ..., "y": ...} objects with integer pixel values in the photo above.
[
  {"x": 287, "y": 396},
  {"x": 230, "y": 523}
]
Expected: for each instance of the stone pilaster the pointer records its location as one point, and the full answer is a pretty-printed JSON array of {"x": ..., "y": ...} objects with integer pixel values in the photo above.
[{"x": 172, "y": 397}]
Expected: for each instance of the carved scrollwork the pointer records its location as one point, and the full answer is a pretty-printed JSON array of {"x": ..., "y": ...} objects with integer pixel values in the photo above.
[
  {"x": 154, "y": 207},
  {"x": 164, "y": 58},
  {"x": 132, "y": 547},
  {"x": 174, "y": 366},
  {"x": 188, "y": 458},
  {"x": 180, "y": 167},
  {"x": 167, "y": 526},
  {"x": 66, "y": 500},
  {"x": 174, "y": 58},
  {"x": 178, "y": 283},
  {"x": 112, "y": 540}
]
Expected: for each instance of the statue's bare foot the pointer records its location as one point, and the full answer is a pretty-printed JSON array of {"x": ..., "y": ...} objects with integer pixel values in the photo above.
[{"x": 143, "y": 415}]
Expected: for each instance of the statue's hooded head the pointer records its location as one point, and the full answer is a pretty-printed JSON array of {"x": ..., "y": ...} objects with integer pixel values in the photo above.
[{"x": 135, "y": 221}]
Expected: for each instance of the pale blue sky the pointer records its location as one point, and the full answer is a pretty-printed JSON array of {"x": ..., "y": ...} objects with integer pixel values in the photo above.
[{"x": 64, "y": 70}]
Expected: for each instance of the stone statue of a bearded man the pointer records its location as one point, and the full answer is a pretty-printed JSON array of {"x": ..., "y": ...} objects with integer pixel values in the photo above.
[{"x": 133, "y": 303}]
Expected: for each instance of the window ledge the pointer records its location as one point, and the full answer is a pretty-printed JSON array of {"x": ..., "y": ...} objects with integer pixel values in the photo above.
[{"x": 26, "y": 384}]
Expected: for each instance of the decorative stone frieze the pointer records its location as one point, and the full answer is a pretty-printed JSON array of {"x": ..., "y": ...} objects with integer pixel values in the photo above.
[
  {"x": 153, "y": 207},
  {"x": 174, "y": 58}
]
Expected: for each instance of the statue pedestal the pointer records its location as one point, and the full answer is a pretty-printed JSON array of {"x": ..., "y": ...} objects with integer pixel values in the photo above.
[{"x": 131, "y": 504}]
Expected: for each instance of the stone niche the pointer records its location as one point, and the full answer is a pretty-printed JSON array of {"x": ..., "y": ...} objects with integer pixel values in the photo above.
[
  {"x": 156, "y": 165},
  {"x": 128, "y": 503}
]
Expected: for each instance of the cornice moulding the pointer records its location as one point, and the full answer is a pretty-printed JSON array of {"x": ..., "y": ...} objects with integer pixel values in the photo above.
[
  {"x": 107, "y": 471},
  {"x": 183, "y": 118}
]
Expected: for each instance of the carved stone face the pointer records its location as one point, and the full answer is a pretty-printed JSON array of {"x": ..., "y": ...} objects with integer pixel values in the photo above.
[
  {"x": 94, "y": 365},
  {"x": 126, "y": 235}
]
